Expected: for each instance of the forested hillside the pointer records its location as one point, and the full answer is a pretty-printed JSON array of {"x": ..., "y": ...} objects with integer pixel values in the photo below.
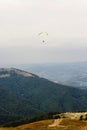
[{"x": 24, "y": 95}]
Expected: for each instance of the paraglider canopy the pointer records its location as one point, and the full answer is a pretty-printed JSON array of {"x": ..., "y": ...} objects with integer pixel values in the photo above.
[
  {"x": 43, "y": 36},
  {"x": 43, "y": 33}
]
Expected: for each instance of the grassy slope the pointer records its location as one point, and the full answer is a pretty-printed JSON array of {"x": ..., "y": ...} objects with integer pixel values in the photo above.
[{"x": 65, "y": 124}]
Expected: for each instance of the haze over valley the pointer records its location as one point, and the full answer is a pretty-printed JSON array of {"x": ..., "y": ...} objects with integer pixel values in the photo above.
[{"x": 71, "y": 74}]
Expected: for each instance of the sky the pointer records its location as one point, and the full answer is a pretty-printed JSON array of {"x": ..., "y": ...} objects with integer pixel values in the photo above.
[{"x": 65, "y": 21}]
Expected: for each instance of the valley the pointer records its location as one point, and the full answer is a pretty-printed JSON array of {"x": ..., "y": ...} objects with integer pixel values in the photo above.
[{"x": 71, "y": 74}]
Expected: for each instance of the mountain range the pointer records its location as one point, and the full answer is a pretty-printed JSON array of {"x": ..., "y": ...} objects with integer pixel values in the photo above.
[
  {"x": 23, "y": 94},
  {"x": 71, "y": 74}
]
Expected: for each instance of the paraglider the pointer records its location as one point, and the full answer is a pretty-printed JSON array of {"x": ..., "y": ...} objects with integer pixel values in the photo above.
[
  {"x": 43, "y": 36},
  {"x": 43, "y": 33},
  {"x": 43, "y": 41}
]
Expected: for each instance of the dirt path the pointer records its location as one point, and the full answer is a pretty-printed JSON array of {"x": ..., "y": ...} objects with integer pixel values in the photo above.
[{"x": 55, "y": 123}]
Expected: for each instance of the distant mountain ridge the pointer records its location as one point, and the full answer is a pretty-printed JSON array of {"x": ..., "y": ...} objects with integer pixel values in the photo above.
[
  {"x": 24, "y": 94},
  {"x": 71, "y": 74}
]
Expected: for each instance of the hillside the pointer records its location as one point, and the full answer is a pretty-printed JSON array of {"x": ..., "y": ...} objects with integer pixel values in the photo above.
[
  {"x": 67, "y": 121},
  {"x": 23, "y": 95},
  {"x": 64, "y": 123}
]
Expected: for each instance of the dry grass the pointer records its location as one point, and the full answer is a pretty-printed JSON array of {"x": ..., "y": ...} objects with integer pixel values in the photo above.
[
  {"x": 37, "y": 125},
  {"x": 73, "y": 124},
  {"x": 67, "y": 123}
]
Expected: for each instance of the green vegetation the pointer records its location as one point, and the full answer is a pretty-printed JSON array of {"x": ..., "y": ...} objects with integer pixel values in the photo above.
[
  {"x": 51, "y": 115},
  {"x": 26, "y": 97}
]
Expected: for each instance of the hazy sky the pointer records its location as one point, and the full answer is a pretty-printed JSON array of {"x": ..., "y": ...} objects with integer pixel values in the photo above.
[{"x": 22, "y": 20}]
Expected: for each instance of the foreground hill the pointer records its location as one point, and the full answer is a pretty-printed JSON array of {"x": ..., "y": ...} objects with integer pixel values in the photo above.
[
  {"x": 58, "y": 124},
  {"x": 67, "y": 121},
  {"x": 23, "y": 94}
]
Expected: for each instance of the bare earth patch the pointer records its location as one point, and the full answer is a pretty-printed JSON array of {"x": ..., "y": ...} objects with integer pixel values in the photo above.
[{"x": 56, "y": 123}]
